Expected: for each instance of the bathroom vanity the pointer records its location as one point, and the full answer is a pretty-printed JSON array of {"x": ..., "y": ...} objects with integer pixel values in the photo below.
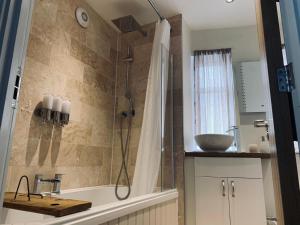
[{"x": 228, "y": 190}]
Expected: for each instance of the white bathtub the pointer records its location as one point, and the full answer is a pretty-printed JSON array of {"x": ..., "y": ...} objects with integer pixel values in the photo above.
[{"x": 105, "y": 207}]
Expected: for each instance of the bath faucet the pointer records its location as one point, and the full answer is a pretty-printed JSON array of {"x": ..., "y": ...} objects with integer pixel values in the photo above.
[{"x": 39, "y": 180}]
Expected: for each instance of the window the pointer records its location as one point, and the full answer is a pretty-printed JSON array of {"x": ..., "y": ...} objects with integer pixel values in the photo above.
[{"x": 214, "y": 92}]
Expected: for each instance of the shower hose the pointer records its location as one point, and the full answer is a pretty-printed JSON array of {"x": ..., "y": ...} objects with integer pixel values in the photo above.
[{"x": 124, "y": 152}]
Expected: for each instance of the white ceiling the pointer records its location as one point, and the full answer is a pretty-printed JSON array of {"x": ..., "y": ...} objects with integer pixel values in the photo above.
[{"x": 199, "y": 14}]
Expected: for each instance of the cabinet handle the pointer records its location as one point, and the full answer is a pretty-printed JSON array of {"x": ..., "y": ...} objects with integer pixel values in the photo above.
[
  {"x": 223, "y": 188},
  {"x": 233, "y": 189}
]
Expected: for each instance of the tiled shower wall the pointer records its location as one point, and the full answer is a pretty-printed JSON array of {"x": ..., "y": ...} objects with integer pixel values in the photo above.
[
  {"x": 77, "y": 64},
  {"x": 142, "y": 47}
]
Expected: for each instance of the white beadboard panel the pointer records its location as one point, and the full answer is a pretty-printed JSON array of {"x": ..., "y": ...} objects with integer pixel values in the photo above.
[
  {"x": 123, "y": 220},
  {"x": 132, "y": 219},
  {"x": 114, "y": 222},
  {"x": 152, "y": 220},
  {"x": 163, "y": 212},
  {"x": 140, "y": 217},
  {"x": 160, "y": 214},
  {"x": 147, "y": 216}
]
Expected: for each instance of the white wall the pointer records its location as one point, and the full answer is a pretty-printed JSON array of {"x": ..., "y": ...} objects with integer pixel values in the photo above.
[
  {"x": 245, "y": 47},
  {"x": 188, "y": 87},
  {"x": 243, "y": 41}
]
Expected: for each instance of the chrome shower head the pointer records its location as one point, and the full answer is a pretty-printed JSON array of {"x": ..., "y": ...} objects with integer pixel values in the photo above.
[{"x": 128, "y": 24}]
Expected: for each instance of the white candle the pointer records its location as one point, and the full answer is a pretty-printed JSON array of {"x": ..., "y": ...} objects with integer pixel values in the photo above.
[
  {"x": 66, "y": 107},
  {"x": 57, "y": 104},
  {"x": 48, "y": 102}
]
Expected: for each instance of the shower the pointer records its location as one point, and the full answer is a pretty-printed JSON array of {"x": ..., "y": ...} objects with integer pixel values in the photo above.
[
  {"x": 128, "y": 24},
  {"x": 126, "y": 116}
]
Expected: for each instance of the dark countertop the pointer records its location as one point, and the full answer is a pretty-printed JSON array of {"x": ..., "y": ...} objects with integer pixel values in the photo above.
[{"x": 228, "y": 155}]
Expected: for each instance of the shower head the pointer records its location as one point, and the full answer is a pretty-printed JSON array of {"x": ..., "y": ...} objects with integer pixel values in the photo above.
[{"x": 128, "y": 24}]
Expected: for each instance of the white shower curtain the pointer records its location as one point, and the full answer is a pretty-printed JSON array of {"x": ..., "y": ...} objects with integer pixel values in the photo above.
[{"x": 149, "y": 150}]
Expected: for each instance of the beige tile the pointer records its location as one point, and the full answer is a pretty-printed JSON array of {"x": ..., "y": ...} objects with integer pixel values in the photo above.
[
  {"x": 69, "y": 24},
  {"x": 102, "y": 47},
  {"x": 67, "y": 155},
  {"x": 77, "y": 133},
  {"x": 37, "y": 48},
  {"x": 92, "y": 78},
  {"x": 44, "y": 13},
  {"x": 89, "y": 155}
]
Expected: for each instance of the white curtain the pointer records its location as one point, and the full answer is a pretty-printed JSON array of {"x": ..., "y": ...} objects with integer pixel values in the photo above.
[
  {"x": 150, "y": 145},
  {"x": 214, "y": 92}
]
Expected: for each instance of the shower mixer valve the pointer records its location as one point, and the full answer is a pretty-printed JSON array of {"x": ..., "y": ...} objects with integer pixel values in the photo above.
[{"x": 128, "y": 113}]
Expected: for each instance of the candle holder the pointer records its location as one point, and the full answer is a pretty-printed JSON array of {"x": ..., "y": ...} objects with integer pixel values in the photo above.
[
  {"x": 45, "y": 114},
  {"x": 59, "y": 114},
  {"x": 56, "y": 117},
  {"x": 64, "y": 118}
]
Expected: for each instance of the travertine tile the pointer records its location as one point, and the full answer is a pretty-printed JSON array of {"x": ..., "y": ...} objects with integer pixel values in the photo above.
[
  {"x": 79, "y": 64},
  {"x": 37, "y": 49}
]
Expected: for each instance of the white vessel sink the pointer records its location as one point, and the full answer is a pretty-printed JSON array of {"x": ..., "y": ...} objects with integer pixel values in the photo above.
[{"x": 214, "y": 142}]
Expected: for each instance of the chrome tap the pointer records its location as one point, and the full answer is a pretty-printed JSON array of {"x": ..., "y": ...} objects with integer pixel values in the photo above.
[
  {"x": 236, "y": 135},
  {"x": 39, "y": 180}
]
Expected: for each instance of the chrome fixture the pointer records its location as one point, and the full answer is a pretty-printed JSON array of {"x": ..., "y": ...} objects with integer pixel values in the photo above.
[
  {"x": 262, "y": 123},
  {"x": 229, "y": 1},
  {"x": 233, "y": 189},
  {"x": 223, "y": 188},
  {"x": 128, "y": 24},
  {"x": 153, "y": 5},
  {"x": 236, "y": 136},
  {"x": 129, "y": 114},
  {"x": 39, "y": 180}
]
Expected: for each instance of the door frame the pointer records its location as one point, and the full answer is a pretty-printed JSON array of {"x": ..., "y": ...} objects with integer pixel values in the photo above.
[
  {"x": 15, "y": 22},
  {"x": 281, "y": 136},
  {"x": 284, "y": 167}
]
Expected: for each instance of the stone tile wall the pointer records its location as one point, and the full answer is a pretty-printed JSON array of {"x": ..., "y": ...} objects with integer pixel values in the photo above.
[{"x": 77, "y": 64}]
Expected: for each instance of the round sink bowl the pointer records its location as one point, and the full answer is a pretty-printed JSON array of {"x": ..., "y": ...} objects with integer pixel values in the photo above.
[{"x": 214, "y": 142}]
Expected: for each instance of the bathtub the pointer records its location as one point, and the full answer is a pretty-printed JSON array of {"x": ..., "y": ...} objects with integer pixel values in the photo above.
[{"x": 105, "y": 208}]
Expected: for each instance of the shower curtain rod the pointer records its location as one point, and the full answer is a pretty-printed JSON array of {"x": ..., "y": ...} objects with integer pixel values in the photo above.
[{"x": 156, "y": 10}]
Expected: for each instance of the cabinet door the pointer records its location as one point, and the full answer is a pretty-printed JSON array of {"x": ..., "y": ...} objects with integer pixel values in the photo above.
[
  {"x": 247, "y": 204},
  {"x": 212, "y": 207}
]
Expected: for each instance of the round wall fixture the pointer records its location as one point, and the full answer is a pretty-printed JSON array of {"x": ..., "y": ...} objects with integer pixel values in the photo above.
[{"x": 82, "y": 17}]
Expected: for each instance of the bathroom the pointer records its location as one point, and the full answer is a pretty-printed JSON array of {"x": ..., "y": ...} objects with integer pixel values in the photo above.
[{"x": 98, "y": 78}]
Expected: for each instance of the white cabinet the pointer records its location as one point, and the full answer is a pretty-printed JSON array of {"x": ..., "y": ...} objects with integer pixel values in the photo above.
[
  {"x": 223, "y": 199},
  {"x": 212, "y": 206},
  {"x": 247, "y": 206},
  {"x": 251, "y": 92}
]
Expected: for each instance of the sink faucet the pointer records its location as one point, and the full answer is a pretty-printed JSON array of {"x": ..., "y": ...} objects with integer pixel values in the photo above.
[
  {"x": 38, "y": 180},
  {"x": 235, "y": 130}
]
